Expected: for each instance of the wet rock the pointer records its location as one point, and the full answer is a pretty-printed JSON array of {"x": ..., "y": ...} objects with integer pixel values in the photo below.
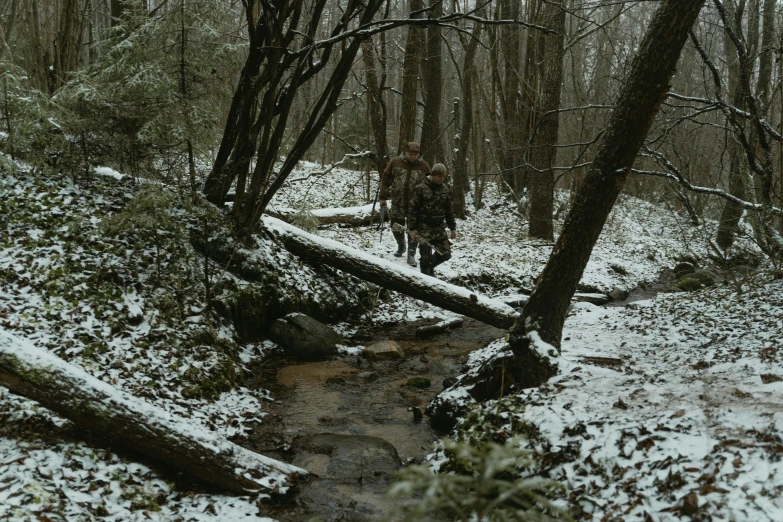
[
  {"x": 418, "y": 382},
  {"x": 684, "y": 268},
  {"x": 422, "y": 365},
  {"x": 617, "y": 294},
  {"x": 382, "y": 351},
  {"x": 304, "y": 338},
  {"x": 448, "y": 382},
  {"x": 687, "y": 284},
  {"x": 339, "y": 381},
  {"x": 417, "y": 414},
  {"x": 368, "y": 376},
  {"x": 346, "y": 458}
]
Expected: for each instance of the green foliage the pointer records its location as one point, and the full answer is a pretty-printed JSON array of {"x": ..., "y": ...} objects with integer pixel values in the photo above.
[
  {"x": 305, "y": 219},
  {"x": 495, "y": 486},
  {"x": 160, "y": 83},
  {"x": 29, "y": 130},
  {"x": 147, "y": 212}
]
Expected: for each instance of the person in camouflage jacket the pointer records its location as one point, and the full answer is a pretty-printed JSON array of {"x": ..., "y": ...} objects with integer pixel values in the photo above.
[
  {"x": 400, "y": 176},
  {"x": 431, "y": 209}
]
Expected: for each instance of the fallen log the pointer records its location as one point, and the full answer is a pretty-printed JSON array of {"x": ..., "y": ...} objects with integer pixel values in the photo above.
[
  {"x": 349, "y": 216},
  {"x": 435, "y": 329},
  {"x": 95, "y": 405},
  {"x": 392, "y": 276}
]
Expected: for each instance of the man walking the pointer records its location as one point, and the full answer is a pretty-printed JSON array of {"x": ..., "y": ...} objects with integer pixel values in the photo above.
[
  {"x": 400, "y": 176},
  {"x": 431, "y": 209}
]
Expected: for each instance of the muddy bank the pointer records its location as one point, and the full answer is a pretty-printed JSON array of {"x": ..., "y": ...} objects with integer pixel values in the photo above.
[{"x": 352, "y": 422}]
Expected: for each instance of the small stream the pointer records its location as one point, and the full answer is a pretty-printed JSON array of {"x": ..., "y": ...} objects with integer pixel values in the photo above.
[{"x": 349, "y": 421}]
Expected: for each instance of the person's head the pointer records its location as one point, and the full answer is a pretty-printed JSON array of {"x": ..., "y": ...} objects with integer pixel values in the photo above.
[
  {"x": 438, "y": 173},
  {"x": 412, "y": 151}
]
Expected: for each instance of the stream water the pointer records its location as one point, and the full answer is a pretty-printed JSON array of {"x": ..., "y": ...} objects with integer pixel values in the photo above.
[{"x": 350, "y": 421}]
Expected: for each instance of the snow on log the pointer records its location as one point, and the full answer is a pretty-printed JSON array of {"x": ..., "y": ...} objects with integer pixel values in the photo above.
[
  {"x": 435, "y": 329},
  {"x": 95, "y": 405},
  {"x": 392, "y": 276},
  {"x": 352, "y": 216}
]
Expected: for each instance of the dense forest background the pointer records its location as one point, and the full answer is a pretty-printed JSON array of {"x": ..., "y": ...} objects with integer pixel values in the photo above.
[{"x": 501, "y": 91}]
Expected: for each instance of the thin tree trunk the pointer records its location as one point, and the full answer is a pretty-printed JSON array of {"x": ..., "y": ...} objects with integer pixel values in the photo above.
[
  {"x": 534, "y": 339},
  {"x": 510, "y": 106},
  {"x": 544, "y": 153},
  {"x": 410, "y": 80},
  {"x": 638, "y": 104},
  {"x": 375, "y": 106},
  {"x": 464, "y": 116},
  {"x": 432, "y": 76}
]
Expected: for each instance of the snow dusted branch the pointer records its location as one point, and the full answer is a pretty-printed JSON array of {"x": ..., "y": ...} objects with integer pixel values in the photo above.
[
  {"x": 722, "y": 105},
  {"x": 675, "y": 175}
]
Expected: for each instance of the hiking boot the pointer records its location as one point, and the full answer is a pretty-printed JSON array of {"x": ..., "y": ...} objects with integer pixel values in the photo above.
[
  {"x": 400, "y": 237},
  {"x": 425, "y": 269},
  {"x": 411, "y": 257}
]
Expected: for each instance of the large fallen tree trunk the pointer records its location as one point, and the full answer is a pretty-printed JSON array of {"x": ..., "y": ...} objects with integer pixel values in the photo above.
[
  {"x": 101, "y": 408},
  {"x": 392, "y": 276},
  {"x": 351, "y": 216}
]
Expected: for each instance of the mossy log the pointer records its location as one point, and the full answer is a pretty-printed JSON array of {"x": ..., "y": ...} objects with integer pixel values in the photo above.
[
  {"x": 98, "y": 407},
  {"x": 392, "y": 276}
]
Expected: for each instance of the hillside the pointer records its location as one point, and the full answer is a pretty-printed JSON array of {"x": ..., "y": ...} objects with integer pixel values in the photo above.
[{"x": 103, "y": 273}]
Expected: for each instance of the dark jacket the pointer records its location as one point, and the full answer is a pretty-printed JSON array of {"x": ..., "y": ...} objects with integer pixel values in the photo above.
[
  {"x": 432, "y": 206},
  {"x": 400, "y": 177}
]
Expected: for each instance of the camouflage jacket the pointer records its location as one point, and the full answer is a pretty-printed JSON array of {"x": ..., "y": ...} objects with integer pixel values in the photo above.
[
  {"x": 400, "y": 177},
  {"x": 430, "y": 206}
]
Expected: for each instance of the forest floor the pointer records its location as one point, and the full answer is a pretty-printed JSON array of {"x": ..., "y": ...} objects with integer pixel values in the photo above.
[{"x": 664, "y": 407}]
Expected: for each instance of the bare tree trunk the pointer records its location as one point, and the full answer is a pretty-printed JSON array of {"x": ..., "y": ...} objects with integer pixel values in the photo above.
[
  {"x": 732, "y": 212},
  {"x": 376, "y": 106},
  {"x": 464, "y": 116},
  {"x": 534, "y": 340},
  {"x": 510, "y": 95},
  {"x": 638, "y": 103},
  {"x": 543, "y": 155},
  {"x": 410, "y": 79},
  {"x": 432, "y": 74}
]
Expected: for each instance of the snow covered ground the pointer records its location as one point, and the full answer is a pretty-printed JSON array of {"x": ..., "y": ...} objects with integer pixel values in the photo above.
[{"x": 691, "y": 409}]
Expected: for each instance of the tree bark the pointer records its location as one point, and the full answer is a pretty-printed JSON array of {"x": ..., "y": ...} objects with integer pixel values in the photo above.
[
  {"x": 376, "y": 105},
  {"x": 410, "y": 80},
  {"x": 392, "y": 276},
  {"x": 732, "y": 212},
  {"x": 432, "y": 87},
  {"x": 530, "y": 358},
  {"x": 92, "y": 404},
  {"x": 464, "y": 115},
  {"x": 638, "y": 104},
  {"x": 512, "y": 126},
  {"x": 542, "y": 159}
]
